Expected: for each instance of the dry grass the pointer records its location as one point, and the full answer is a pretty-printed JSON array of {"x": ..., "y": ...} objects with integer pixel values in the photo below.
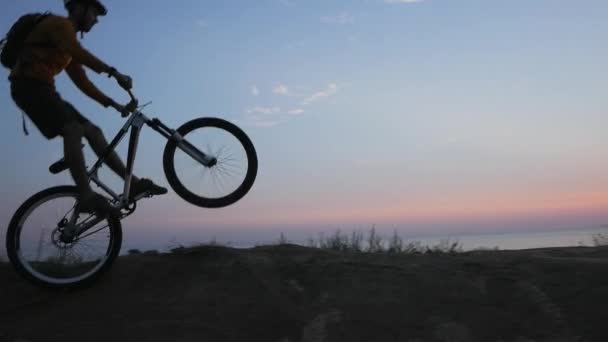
[
  {"x": 373, "y": 242},
  {"x": 356, "y": 241},
  {"x": 599, "y": 239}
]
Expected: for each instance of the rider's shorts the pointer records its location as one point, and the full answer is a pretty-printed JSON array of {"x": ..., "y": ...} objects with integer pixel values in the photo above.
[{"x": 44, "y": 106}]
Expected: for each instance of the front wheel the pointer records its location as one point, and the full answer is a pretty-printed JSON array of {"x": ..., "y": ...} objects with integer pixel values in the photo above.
[{"x": 218, "y": 185}]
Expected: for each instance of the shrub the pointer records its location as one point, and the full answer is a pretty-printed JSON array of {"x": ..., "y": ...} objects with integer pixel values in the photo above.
[
  {"x": 374, "y": 243},
  {"x": 599, "y": 239}
]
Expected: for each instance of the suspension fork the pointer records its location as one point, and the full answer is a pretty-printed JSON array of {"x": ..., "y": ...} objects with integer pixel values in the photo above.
[{"x": 182, "y": 143}]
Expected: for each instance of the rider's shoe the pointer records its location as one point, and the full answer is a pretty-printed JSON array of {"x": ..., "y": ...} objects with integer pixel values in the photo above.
[
  {"x": 146, "y": 185},
  {"x": 92, "y": 202}
]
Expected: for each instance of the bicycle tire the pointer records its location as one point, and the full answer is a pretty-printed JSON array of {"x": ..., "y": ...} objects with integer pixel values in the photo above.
[
  {"x": 13, "y": 242},
  {"x": 202, "y": 201}
]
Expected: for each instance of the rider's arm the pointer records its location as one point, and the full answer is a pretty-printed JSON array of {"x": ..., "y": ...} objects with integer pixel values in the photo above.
[
  {"x": 79, "y": 77},
  {"x": 64, "y": 36}
]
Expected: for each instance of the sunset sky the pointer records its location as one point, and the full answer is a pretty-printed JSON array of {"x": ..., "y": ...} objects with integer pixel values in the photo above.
[{"x": 428, "y": 116}]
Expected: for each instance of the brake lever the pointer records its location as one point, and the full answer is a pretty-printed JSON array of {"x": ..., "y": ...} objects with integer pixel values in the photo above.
[
  {"x": 133, "y": 105},
  {"x": 144, "y": 105}
]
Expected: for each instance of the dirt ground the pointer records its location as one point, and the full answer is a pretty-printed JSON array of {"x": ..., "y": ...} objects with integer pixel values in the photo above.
[{"x": 292, "y": 293}]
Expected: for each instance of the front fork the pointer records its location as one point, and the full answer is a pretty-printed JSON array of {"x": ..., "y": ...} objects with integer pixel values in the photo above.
[
  {"x": 194, "y": 152},
  {"x": 183, "y": 144}
]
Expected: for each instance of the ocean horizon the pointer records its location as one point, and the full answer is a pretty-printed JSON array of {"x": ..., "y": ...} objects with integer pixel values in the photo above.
[{"x": 467, "y": 241}]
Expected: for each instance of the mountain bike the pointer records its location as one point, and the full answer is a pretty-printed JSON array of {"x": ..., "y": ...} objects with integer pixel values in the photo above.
[{"x": 209, "y": 162}]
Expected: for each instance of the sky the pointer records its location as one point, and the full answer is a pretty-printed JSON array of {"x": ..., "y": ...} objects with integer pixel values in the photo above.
[{"x": 425, "y": 117}]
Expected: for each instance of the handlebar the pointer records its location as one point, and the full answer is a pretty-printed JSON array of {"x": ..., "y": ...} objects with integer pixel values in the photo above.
[{"x": 133, "y": 105}]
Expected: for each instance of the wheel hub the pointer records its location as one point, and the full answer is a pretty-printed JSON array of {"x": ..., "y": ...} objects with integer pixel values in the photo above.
[{"x": 62, "y": 236}]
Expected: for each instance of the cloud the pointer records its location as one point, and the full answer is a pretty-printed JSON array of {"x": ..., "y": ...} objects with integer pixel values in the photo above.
[
  {"x": 264, "y": 110},
  {"x": 262, "y": 113},
  {"x": 332, "y": 88},
  {"x": 269, "y": 116},
  {"x": 254, "y": 90},
  {"x": 296, "y": 111},
  {"x": 265, "y": 123},
  {"x": 402, "y": 1},
  {"x": 262, "y": 116},
  {"x": 340, "y": 19},
  {"x": 281, "y": 89}
]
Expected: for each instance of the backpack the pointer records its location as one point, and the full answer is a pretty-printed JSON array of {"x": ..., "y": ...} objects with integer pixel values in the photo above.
[{"x": 14, "y": 41}]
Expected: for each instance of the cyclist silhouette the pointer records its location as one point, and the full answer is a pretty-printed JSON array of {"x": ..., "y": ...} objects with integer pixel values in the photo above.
[{"x": 51, "y": 47}]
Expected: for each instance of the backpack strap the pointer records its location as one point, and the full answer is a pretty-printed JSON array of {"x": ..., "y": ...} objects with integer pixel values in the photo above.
[{"x": 25, "y": 131}]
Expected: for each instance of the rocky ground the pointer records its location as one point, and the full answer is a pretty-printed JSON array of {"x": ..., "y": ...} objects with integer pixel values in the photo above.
[{"x": 293, "y": 293}]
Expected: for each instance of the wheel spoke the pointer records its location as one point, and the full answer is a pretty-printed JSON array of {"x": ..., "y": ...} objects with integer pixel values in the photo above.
[
  {"x": 215, "y": 181},
  {"x": 220, "y": 180},
  {"x": 92, "y": 233},
  {"x": 227, "y": 159}
]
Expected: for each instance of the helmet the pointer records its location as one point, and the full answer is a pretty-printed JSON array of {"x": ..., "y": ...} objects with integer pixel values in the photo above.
[{"x": 101, "y": 9}]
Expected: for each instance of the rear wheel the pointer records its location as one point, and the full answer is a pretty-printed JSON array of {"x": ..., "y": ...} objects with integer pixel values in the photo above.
[
  {"x": 218, "y": 185},
  {"x": 42, "y": 249}
]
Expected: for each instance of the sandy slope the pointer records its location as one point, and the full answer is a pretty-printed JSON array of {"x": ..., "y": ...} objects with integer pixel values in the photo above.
[{"x": 292, "y": 293}]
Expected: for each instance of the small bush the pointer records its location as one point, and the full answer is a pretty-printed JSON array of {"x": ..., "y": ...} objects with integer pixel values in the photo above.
[
  {"x": 374, "y": 243},
  {"x": 445, "y": 246},
  {"x": 133, "y": 251},
  {"x": 599, "y": 239},
  {"x": 395, "y": 244},
  {"x": 311, "y": 243},
  {"x": 179, "y": 248},
  {"x": 282, "y": 240},
  {"x": 336, "y": 242},
  {"x": 356, "y": 242}
]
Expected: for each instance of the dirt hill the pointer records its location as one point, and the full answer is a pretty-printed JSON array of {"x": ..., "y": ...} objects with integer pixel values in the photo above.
[{"x": 292, "y": 293}]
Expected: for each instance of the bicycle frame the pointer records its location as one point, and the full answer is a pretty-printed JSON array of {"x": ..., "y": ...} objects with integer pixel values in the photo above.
[{"x": 135, "y": 123}]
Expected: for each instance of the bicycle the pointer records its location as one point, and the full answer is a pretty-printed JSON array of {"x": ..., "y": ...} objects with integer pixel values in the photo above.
[{"x": 69, "y": 231}]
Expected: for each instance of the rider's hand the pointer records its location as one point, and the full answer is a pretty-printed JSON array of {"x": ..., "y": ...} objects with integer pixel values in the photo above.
[
  {"x": 132, "y": 105},
  {"x": 123, "y": 110},
  {"x": 123, "y": 80}
]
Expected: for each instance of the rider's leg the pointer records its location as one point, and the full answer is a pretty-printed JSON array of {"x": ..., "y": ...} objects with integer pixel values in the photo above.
[{"x": 72, "y": 135}]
